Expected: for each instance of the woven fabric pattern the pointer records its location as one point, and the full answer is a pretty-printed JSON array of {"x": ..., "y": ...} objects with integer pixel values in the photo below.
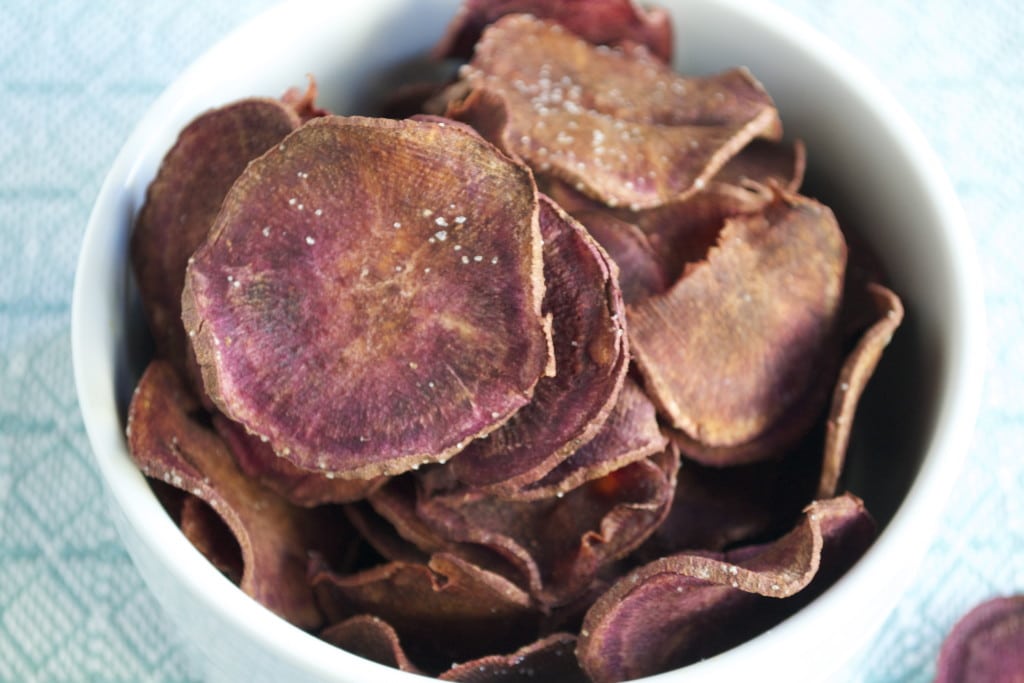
[{"x": 74, "y": 77}]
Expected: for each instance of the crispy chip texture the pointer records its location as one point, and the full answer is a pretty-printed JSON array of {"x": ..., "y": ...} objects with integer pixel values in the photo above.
[
  {"x": 274, "y": 536},
  {"x": 370, "y": 637},
  {"x": 445, "y": 611},
  {"x": 369, "y": 297},
  {"x": 591, "y": 357},
  {"x": 703, "y": 599},
  {"x": 737, "y": 342},
  {"x": 183, "y": 200},
  {"x": 617, "y": 124}
]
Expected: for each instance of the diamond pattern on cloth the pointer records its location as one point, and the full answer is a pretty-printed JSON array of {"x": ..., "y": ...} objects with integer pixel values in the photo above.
[{"x": 76, "y": 75}]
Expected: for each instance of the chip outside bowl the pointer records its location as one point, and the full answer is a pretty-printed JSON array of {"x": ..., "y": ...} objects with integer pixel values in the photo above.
[{"x": 865, "y": 154}]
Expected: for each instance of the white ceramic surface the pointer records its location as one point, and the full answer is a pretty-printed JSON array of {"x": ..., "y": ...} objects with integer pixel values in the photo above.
[{"x": 866, "y": 157}]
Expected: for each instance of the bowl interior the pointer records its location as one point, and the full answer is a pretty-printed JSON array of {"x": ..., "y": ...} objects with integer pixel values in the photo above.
[{"x": 865, "y": 160}]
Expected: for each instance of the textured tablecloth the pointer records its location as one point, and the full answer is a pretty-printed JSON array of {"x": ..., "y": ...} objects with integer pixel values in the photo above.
[{"x": 74, "y": 77}]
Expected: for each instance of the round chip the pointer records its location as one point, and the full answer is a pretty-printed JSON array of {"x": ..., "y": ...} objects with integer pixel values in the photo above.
[
  {"x": 370, "y": 295},
  {"x": 183, "y": 200}
]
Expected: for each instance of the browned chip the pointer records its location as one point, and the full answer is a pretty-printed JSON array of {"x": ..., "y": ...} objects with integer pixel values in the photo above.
[
  {"x": 372, "y": 638},
  {"x": 567, "y": 538},
  {"x": 591, "y": 357},
  {"x": 986, "y": 645},
  {"x": 183, "y": 200},
  {"x": 853, "y": 378},
  {"x": 629, "y": 434},
  {"x": 767, "y": 162},
  {"x": 618, "y": 125},
  {"x": 205, "y": 529},
  {"x": 370, "y": 296},
  {"x": 706, "y": 602},
  {"x": 304, "y": 101},
  {"x": 602, "y": 22},
  {"x": 552, "y": 658},
  {"x": 274, "y": 536},
  {"x": 258, "y": 461},
  {"x": 445, "y": 611},
  {"x": 739, "y": 340}
]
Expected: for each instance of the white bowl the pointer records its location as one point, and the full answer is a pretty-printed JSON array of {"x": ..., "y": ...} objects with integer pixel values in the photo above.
[{"x": 866, "y": 159}]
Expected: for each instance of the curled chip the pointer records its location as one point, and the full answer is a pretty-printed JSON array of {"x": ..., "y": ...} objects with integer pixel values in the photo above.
[
  {"x": 704, "y": 601},
  {"x": 445, "y": 611},
  {"x": 739, "y": 340},
  {"x": 591, "y": 356},
  {"x": 629, "y": 434},
  {"x": 618, "y": 125},
  {"x": 549, "y": 659},
  {"x": 369, "y": 297},
  {"x": 566, "y": 540},
  {"x": 370, "y": 637},
  {"x": 602, "y": 22},
  {"x": 853, "y": 378},
  {"x": 183, "y": 200},
  {"x": 986, "y": 645},
  {"x": 274, "y": 536}
]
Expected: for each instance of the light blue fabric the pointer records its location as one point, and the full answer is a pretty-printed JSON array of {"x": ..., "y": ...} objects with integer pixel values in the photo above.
[{"x": 74, "y": 77}]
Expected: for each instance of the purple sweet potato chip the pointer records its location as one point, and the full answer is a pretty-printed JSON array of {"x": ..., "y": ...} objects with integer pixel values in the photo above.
[
  {"x": 857, "y": 370},
  {"x": 986, "y": 645},
  {"x": 445, "y": 611},
  {"x": 274, "y": 536},
  {"x": 641, "y": 274},
  {"x": 552, "y": 658},
  {"x": 601, "y": 22},
  {"x": 183, "y": 199},
  {"x": 369, "y": 298},
  {"x": 785, "y": 434},
  {"x": 369, "y": 637},
  {"x": 767, "y": 162},
  {"x": 205, "y": 529},
  {"x": 569, "y": 538},
  {"x": 258, "y": 461},
  {"x": 705, "y": 600},
  {"x": 680, "y": 232},
  {"x": 737, "y": 342},
  {"x": 397, "y": 504},
  {"x": 630, "y": 433},
  {"x": 591, "y": 357},
  {"x": 617, "y": 125}
]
